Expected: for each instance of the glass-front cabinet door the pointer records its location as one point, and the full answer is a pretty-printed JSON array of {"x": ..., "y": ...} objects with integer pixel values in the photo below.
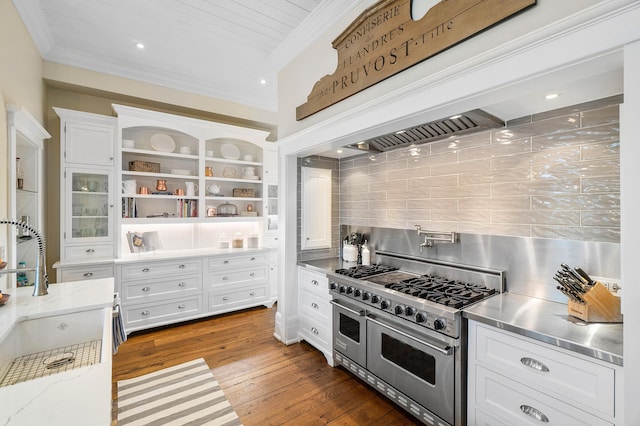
[
  {"x": 272, "y": 207},
  {"x": 89, "y": 209}
]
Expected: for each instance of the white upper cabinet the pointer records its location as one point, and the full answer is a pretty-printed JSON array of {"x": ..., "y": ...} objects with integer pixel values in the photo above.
[
  {"x": 89, "y": 143},
  {"x": 316, "y": 208}
]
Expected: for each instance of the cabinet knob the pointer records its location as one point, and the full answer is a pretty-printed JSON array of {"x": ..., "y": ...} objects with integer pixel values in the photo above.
[
  {"x": 110, "y": 158},
  {"x": 225, "y": 298},
  {"x": 181, "y": 306},
  {"x": 181, "y": 284},
  {"x": 146, "y": 270},
  {"x": 314, "y": 305},
  {"x": 535, "y": 413},
  {"x": 315, "y": 282},
  {"x": 89, "y": 251},
  {"x": 182, "y": 266},
  {"x": 314, "y": 330},
  {"x": 253, "y": 293},
  {"x": 225, "y": 278},
  {"x": 253, "y": 274},
  {"x": 88, "y": 274},
  {"x": 145, "y": 289},
  {"x": 145, "y": 313}
]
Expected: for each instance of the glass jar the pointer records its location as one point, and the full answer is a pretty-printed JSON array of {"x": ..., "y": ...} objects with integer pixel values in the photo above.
[
  {"x": 238, "y": 240},
  {"x": 253, "y": 241},
  {"x": 19, "y": 174},
  {"x": 224, "y": 242}
]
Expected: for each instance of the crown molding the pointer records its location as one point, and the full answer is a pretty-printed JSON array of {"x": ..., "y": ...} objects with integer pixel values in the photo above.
[{"x": 33, "y": 18}]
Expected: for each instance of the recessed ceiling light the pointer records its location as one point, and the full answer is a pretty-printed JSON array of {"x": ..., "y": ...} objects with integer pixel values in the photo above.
[
  {"x": 339, "y": 151},
  {"x": 140, "y": 46},
  {"x": 263, "y": 81},
  {"x": 551, "y": 96}
]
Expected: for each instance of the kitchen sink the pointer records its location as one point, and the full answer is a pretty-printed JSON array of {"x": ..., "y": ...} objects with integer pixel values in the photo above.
[{"x": 38, "y": 347}]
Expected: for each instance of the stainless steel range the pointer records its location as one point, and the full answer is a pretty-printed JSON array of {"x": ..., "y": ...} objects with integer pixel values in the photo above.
[{"x": 399, "y": 327}]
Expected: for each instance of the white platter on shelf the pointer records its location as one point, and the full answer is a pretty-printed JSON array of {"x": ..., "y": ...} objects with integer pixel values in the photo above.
[
  {"x": 230, "y": 151},
  {"x": 162, "y": 142},
  {"x": 252, "y": 177},
  {"x": 180, "y": 172}
]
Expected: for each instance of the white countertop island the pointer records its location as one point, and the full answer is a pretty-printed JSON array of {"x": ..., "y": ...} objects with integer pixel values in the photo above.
[{"x": 77, "y": 397}]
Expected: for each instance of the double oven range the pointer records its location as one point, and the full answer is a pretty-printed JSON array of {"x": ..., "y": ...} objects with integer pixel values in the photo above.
[{"x": 398, "y": 326}]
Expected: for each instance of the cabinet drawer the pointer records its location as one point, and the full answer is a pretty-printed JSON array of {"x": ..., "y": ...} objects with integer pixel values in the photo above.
[
  {"x": 149, "y": 291},
  {"x": 248, "y": 296},
  {"x": 161, "y": 313},
  {"x": 239, "y": 276},
  {"x": 576, "y": 380},
  {"x": 313, "y": 281},
  {"x": 90, "y": 251},
  {"x": 519, "y": 404},
  {"x": 86, "y": 273},
  {"x": 315, "y": 305},
  {"x": 161, "y": 269},
  {"x": 232, "y": 262},
  {"x": 317, "y": 333}
]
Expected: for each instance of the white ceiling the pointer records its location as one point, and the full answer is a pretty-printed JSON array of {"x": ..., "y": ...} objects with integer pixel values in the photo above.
[{"x": 218, "y": 48}]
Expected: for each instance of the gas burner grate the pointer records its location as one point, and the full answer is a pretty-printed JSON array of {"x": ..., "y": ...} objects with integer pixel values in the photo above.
[
  {"x": 441, "y": 290},
  {"x": 365, "y": 271}
]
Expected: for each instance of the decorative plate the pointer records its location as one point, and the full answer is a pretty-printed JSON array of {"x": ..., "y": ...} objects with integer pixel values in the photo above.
[
  {"x": 229, "y": 172},
  {"x": 162, "y": 143},
  {"x": 230, "y": 151}
]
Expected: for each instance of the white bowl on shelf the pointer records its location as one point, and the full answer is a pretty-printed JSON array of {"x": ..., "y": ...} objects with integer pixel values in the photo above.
[{"x": 128, "y": 143}]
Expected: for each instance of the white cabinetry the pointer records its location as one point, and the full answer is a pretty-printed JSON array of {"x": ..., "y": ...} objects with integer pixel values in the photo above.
[
  {"x": 25, "y": 141},
  {"x": 87, "y": 143},
  {"x": 314, "y": 311},
  {"x": 516, "y": 380}
]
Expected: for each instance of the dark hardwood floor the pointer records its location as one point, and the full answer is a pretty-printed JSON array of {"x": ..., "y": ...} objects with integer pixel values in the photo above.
[{"x": 266, "y": 382}]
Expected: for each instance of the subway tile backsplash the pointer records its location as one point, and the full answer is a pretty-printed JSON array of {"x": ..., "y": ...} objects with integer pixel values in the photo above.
[{"x": 553, "y": 175}]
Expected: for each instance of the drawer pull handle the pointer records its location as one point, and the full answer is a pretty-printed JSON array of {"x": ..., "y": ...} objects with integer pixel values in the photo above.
[
  {"x": 226, "y": 261},
  {"x": 314, "y": 305},
  {"x": 89, "y": 251},
  {"x": 181, "y": 284},
  {"x": 145, "y": 289},
  {"x": 253, "y": 258},
  {"x": 253, "y": 293},
  {"x": 253, "y": 274},
  {"x": 182, "y": 266},
  {"x": 146, "y": 270},
  {"x": 315, "y": 282},
  {"x": 181, "y": 306},
  {"x": 225, "y": 298},
  {"x": 314, "y": 330},
  {"x": 225, "y": 278},
  {"x": 87, "y": 274},
  {"x": 535, "y": 413},
  {"x": 536, "y": 365},
  {"x": 145, "y": 313}
]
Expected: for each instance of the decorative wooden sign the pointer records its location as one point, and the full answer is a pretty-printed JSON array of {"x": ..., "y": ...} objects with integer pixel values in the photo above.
[{"x": 384, "y": 40}]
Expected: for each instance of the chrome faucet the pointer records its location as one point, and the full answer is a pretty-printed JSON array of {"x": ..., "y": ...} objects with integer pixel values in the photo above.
[
  {"x": 431, "y": 236},
  {"x": 41, "y": 283}
]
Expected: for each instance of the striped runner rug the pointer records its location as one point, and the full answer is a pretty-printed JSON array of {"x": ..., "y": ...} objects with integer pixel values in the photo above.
[{"x": 186, "y": 394}]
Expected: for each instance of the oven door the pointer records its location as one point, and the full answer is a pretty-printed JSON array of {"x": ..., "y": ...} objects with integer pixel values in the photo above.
[
  {"x": 349, "y": 332},
  {"x": 419, "y": 367}
]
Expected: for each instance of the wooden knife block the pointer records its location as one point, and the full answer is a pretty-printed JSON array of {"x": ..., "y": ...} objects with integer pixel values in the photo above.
[{"x": 600, "y": 306}]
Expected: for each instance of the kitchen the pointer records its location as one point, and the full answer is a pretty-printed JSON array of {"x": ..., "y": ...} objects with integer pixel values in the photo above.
[{"x": 412, "y": 98}]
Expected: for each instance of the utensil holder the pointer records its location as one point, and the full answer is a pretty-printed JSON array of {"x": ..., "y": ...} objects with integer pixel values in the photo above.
[{"x": 600, "y": 306}]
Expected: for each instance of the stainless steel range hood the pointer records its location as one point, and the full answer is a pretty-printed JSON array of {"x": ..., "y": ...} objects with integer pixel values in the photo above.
[{"x": 469, "y": 122}]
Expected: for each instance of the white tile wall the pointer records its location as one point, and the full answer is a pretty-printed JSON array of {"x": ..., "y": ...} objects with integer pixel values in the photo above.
[{"x": 552, "y": 177}]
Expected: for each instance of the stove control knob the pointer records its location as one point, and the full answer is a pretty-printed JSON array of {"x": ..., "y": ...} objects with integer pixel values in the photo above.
[
  {"x": 357, "y": 292},
  {"x": 349, "y": 290},
  {"x": 420, "y": 317},
  {"x": 375, "y": 298},
  {"x": 399, "y": 310},
  {"x": 365, "y": 295},
  {"x": 439, "y": 324},
  {"x": 343, "y": 289},
  {"x": 385, "y": 304},
  {"x": 409, "y": 311},
  {"x": 333, "y": 285}
]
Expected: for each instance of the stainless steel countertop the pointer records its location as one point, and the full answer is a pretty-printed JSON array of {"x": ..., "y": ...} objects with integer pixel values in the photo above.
[
  {"x": 528, "y": 316},
  {"x": 548, "y": 322}
]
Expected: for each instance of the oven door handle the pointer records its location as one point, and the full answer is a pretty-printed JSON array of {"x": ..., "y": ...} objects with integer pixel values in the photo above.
[
  {"x": 341, "y": 306},
  {"x": 447, "y": 350}
]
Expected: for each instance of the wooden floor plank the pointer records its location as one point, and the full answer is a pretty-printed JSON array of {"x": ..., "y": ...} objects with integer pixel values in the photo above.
[{"x": 266, "y": 382}]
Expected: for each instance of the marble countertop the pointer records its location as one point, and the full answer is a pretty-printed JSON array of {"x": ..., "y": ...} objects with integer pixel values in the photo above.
[
  {"x": 79, "y": 396},
  {"x": 538, "y": 319}
]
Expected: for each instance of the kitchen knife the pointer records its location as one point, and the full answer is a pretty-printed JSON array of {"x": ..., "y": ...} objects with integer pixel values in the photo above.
[
  {"x": 584, "y": 275},
  {"x": 574, "y": 274}
]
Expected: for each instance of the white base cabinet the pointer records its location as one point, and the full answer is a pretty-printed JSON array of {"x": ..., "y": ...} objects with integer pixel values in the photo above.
[
  {"x": 515, "y": 380},
  {"x": 314, "y": 311},
  {"x": 156, "y": 292}
]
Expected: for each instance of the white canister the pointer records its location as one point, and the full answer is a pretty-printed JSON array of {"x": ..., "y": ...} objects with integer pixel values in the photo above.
[
  {"x": 366, "y": 255},
  {"x": 349, "y": 253},
  {"x": 253, "y": 241}
]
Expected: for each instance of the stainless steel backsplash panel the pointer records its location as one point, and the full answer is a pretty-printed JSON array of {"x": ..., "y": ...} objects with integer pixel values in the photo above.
[{"x": 530, "y": 263}]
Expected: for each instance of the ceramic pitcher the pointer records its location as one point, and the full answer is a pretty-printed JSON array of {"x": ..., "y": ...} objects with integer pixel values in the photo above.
[{"x": 192, "y": 187}]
